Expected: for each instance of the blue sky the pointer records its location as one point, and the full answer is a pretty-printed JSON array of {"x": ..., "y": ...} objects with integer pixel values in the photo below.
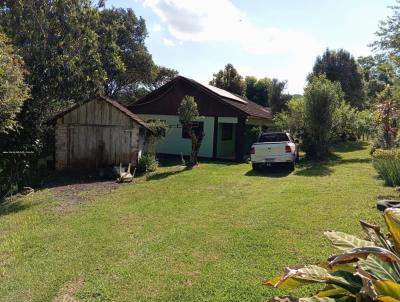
[{"x": 264, "y": 38}]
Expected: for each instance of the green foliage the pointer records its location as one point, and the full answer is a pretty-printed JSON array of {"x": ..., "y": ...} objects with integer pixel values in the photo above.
[
  {"x": 229, "y": 79},
  {"x": 276, "y": 98},
  {"x": 366, "y": 270},
  {"x": 13, "y": 89},
  {"x": 188, "y": 115},
  {"x": 377, "y": 73},
  {"x": 340, "y": 66},
  {"x": 344, "y": 122},
  {"x": 387, "y": 164},
  {"x": 74, "y": 50},
  {"x": 366, "y": 123},
  {"x": 388, "y": 36},
  {"x": 128, "y": 63},
  {"x": 147, "y": 163},
  {"x": 188, "y": 111},
  {"x": 293, "y": 118},
  {"x": 388, "y": 110},
  {"x": 257, "y": 90},
  {"x": 158, "y": 129},
  {"x": 322, "y": 97}
]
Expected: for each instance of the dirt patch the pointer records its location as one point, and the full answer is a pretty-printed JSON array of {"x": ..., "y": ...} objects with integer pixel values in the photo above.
[
  {"x": 67, "y": 293},
  {"x": 72, "y": 191}
]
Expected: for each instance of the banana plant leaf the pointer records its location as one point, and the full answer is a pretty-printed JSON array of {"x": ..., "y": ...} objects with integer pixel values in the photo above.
[
  {"x": 392, "y": 219},
  {"x": 379, "y": 268},
  {"x": 296, "y": 276},
  {"x": 387, "y": 289},
  {"x": 362, "y": 253},
  {"x": 345, "y": 241}
]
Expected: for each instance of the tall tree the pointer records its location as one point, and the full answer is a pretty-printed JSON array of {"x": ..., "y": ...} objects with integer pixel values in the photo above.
[
  {"x": 377, "y": 73},
  {"x": 388, "y": 43},
  {"x": 276, "y": 98},
  {"x": 188, "y": 114},
  {"x": 321, "y": 99},
  {"x": 230, "y": 80},
  {"x": 13, "y": 89},
  {"x": 75, "y": 49},
  {"x": 129, "y": 66},
  {"x": 340, "y": 66},
  {"x": 257, "y": 90},
  {"x": 58, "y": 43}
]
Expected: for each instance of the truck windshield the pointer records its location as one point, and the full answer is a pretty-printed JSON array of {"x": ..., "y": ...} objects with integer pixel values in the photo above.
[{"x": 273, "y": 138}]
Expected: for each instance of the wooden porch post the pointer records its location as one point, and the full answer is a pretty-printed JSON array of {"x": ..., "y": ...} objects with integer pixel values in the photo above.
[{"x": 240, "y": 132}]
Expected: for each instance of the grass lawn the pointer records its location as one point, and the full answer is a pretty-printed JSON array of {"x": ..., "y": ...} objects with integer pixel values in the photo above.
[{"x": 213, "y": 233}]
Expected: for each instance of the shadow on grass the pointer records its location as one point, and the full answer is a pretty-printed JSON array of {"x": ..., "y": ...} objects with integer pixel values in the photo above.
[
  {"x": 272, "y": 172},
  {"x": 9, "y": 207},
  {"x": 163, "y": 175},
  {"x": 311, "y": 168},
  {"x": 350, "y": 146}
]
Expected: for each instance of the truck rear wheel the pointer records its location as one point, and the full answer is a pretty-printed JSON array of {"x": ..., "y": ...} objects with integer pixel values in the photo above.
[{"x": 256, "y": 167}]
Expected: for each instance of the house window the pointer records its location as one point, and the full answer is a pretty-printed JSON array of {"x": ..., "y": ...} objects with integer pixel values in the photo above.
[
  {"x": 198, "y": 128},
  {"x": 227, "y": 132}
]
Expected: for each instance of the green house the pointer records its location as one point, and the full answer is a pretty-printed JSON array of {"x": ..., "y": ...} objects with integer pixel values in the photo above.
[{"x": 227, "y": 119}]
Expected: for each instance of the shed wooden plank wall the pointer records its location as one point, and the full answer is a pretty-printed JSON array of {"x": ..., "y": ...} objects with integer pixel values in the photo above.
[{"x": 95, "y": 134}]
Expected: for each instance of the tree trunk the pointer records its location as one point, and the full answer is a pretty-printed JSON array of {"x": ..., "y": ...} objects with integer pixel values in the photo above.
[{"x": 196, "y": 143}]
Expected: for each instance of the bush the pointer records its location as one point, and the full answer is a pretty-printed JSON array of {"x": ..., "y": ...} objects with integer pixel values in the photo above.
[
  {"x": 321, "y": 100},
  {"x": 147, "y": 163},
  {"x": 387, "y": 164}
]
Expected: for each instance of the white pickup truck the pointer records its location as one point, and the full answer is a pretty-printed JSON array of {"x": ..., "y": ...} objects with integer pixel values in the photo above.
[{"x": 273, "y": 148}]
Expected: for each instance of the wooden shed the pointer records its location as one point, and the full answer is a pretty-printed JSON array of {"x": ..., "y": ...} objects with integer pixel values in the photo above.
[{"x": 97, "y": 133}]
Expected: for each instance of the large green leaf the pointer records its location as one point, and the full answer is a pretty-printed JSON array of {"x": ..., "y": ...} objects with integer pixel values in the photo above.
[
  {"x": 295, "y": 276},
  {"x": 362, "y": 253},
  {"x": 388, "y": 299},
  {"x": 345, "y": 241},
  {"x": 392, "y": 219},
  {"x": 339, "y": 298},
  {"x": 332, "y": 292},
  {"x": 309, "y": 299},
  {"x": 387, "y": 289},
  {"x": 379, "y": 268}
]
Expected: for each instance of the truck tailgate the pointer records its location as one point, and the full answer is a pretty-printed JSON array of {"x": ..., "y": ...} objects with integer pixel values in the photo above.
[{"x": 269, "y": 149}]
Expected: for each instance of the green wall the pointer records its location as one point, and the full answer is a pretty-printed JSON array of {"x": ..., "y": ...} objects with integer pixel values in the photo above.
[{"x": 173, "y": 143}]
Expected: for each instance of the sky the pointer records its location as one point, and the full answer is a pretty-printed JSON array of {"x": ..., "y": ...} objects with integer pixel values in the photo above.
[{"x": 263, "y": 38}]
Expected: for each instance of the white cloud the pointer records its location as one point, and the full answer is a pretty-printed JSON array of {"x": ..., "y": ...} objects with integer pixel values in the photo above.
[
  {"x": 222, "y": 21},
  {"x": 168, "y": 42},
  {"x": 156, "y": 27}
]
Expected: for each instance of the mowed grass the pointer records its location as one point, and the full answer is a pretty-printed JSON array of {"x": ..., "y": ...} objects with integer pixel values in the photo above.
[{"x": 213, "y": 233}]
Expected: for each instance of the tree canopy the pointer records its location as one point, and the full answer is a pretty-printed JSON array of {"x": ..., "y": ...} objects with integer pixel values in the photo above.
[
  {"x": 258, "y": 90},
  {"x": 73, "y": 50},
  {"x": 13, "y": 89},
  {"x": 230, "y": 80},
  {"x": 276, "y": 98},
  {"x": 340, "y": 66}
]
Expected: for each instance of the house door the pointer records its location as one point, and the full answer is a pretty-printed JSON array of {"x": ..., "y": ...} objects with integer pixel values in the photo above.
[{"x": 226, "y": 141}]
